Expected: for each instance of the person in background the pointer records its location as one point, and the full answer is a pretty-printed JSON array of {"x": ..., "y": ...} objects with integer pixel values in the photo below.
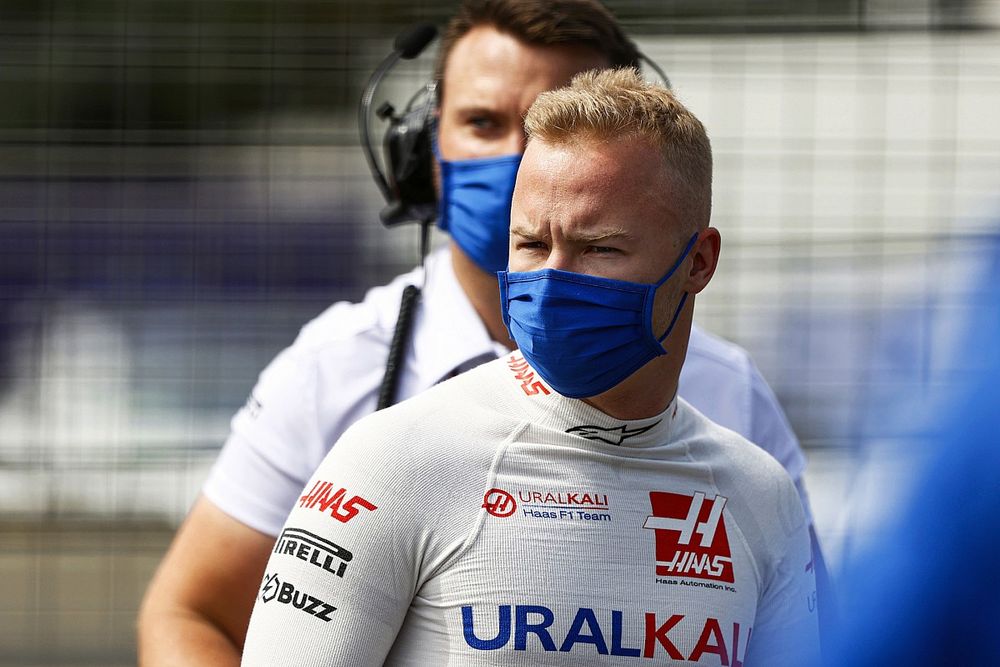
[
  {"x": 496, "y": 56},
  {"x": 560, "y": 506}
]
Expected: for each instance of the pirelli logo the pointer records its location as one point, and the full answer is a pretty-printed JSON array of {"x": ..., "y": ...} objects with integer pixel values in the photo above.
[{"x": 314, "y": 550}]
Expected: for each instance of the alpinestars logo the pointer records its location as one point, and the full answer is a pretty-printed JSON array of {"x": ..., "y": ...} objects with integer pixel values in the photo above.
[
  {"x": 285, "y": 593},
  {"x": 691, "y": 539},
  {"x": 613, "y": 436}
]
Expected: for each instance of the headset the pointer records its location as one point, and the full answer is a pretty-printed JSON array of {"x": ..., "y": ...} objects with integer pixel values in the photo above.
[
  {"x": 408, "y": 182},
  {"x": 407, "y": 185}
]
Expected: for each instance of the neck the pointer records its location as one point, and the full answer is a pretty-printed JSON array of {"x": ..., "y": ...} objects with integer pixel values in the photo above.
[
  {"x": 648, "y": 391},
  {"x": 483, "y": 293}
]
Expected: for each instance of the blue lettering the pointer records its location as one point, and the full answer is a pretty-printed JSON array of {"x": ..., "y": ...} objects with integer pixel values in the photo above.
[
  {"x": 616, "y": 637},
  {"x": 503, "y": 633},
  {"x": 522, "y": 627},
  {"x": 596, "y": 638}
]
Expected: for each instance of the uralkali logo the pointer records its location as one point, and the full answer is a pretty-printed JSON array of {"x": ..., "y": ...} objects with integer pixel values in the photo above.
[{"x": 691, "y": 539}]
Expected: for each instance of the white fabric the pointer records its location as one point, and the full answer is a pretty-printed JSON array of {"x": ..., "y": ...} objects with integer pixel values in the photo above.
[
  {"x": 490, "y": 521},
  {"x": 329, "y": 378}
]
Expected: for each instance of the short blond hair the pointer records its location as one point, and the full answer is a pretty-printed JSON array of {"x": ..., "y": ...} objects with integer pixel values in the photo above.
[{"x": 617, "y": 104}]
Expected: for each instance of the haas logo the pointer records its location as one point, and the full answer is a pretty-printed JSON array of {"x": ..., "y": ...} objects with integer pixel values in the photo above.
[
  {"x": 691, "y": 539},
  {"x": 325, "y": 497},
  {"x": 499, "y": 503}
]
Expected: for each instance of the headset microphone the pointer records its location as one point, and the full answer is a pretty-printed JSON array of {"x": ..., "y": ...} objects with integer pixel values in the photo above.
[{"x": 408, "y": 182}]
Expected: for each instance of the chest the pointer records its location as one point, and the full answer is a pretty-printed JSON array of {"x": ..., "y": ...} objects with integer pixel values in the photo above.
[{"x": 601, "y": 570}]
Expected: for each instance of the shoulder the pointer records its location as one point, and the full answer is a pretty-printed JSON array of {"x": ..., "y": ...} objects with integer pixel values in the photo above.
[
  {"x": 757, "y": 485},
  {"x": 328, "y": 376},
  {"x": 717, "y": 378},
  {"x": 346, "y": 323},
  {"x": 711, "y": 359},
  {"x": 725, "y": 448},
  {"x": 343, "y": 350},
  {"x": 464, "y": 419},
  {"x": 717, "y": 354},
  {"x": 720, "y": 379}
]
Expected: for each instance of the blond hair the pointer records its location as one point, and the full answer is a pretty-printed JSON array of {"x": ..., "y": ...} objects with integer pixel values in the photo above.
[{"x": 617, "y": 104}]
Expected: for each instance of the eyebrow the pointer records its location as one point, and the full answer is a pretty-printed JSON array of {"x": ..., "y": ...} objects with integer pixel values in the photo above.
[
  {"x": 525, "y": 233},
  {"x": 596, "y": 237},
  {"x": 601, "y": 235}
]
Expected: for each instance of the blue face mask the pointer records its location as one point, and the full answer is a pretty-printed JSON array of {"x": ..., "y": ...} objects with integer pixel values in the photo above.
[
  {"x": 583, "y": 334},
  {"x": 475, "y": 206}
]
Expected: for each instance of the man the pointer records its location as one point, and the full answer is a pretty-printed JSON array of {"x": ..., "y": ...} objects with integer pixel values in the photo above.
[
  {"x": 495, "y": 58},
  {"x": 495, "y": 520}
]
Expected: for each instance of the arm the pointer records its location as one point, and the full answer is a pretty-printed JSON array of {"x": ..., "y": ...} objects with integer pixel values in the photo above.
[
  {"x": 772, "y": 431},
  {"x": 786, "y": 632},
  {"x": 198, "y": 605},
  {"x": 347, "y": 563},
  {"x": 196, "y": 609}
]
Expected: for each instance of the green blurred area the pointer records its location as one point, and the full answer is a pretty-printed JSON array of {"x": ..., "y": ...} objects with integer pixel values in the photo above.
[{"x": 221, "y": 64}]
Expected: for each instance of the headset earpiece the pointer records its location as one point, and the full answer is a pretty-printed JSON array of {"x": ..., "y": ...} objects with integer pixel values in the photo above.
[{"x": 409, "y": 159}]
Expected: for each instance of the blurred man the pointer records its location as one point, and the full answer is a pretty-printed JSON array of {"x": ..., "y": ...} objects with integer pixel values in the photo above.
[
  {"x": 561, "y": 506},
  {"x": 495, "y": 58}
]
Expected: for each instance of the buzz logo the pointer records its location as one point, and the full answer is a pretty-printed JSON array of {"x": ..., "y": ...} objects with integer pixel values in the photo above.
[
  {"x": 286, "y": 593},
  {"x": 691, "y": 539}
]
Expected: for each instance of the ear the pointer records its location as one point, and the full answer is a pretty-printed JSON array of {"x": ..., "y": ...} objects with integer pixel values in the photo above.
[{"x": 706, "y": 258}]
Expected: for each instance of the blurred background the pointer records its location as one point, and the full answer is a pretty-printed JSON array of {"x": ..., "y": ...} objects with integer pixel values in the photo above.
[{"x": 181, "y": 188}]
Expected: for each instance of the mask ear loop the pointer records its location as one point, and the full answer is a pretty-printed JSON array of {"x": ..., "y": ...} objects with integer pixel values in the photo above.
[
  {"x": 677, "y": 314},
  {"x": 666, "y": 277}
]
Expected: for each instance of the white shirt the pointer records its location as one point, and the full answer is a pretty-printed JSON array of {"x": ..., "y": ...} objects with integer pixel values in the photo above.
[
  {"x": 329, "y": 378},
  {"x": 490, "y": 521}
]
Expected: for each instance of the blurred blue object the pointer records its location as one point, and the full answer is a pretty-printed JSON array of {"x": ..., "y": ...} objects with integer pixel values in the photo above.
[{"x": 924, "y": 591}]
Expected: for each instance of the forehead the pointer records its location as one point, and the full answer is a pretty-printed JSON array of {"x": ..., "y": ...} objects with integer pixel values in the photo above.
[
  {"x": 585, "y": 181},
  {"x": 486, "y": 67}
]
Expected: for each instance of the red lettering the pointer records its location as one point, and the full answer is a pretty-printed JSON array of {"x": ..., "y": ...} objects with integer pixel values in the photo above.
[
  {"x": 522, "y": 371},
  {"x": 711, "y": 631},
  {"x": 659, "y": 634},
  {"x": 736, "y": 645},
  {"x": 517, "y": 364},
  {"x": 339, "y": 509},
  {"x": 327, "y": 500},
  {"x": 534, "y": 388},
  {"x": 351, "y": 509},
  {"x": 304, "y": 500},
  {"x": 320, "y": 494}
]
